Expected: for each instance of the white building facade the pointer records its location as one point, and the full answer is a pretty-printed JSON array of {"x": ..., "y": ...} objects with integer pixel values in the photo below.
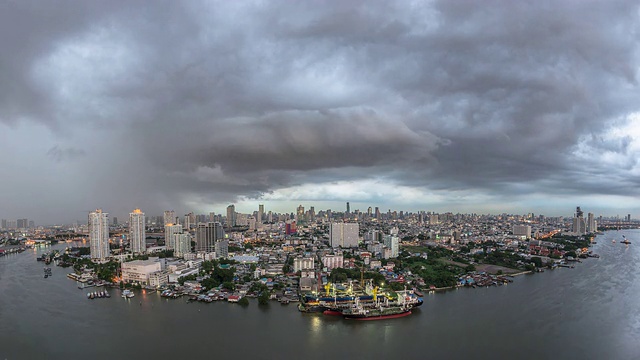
[
  {"x": 99, "y": 234},
  {"x": 344, "y": 234},
  {"x": 137, "y": 233}
]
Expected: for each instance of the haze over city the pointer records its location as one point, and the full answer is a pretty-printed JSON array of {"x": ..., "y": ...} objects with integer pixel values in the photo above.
[{"x": 462, "y": 106}]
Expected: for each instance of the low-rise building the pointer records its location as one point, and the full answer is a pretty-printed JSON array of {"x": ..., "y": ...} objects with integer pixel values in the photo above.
[{"x": 138, "y": 271}]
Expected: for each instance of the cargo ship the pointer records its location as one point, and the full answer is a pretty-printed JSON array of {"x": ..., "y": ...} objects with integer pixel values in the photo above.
[{"x": 379, "y": 312}]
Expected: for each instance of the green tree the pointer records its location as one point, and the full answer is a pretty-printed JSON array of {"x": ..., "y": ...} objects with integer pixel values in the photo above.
[
  {"x": 263, "y": 299},
  {"x": 229, "y": 285},
  {"x": 244, "y": 301}
]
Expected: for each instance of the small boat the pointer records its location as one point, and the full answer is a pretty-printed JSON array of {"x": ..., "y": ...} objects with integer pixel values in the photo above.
[
  {"x": 613, "y": 241},
  {"x": 127, "y": 294},
  {"x": 625, "y": 241},
  {"x": 106, "y": 294}
]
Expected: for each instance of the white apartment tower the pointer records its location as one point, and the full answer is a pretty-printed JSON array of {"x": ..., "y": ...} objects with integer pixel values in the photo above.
[
  {"x": 169, "y": 217},
  {"x": 137, "y": 234},
  {"x": 99, "y": 234},
  {"x": 182, "y": 244},
  {"x": 169, "y": 231},
  {"x": 344, "y": 234}
]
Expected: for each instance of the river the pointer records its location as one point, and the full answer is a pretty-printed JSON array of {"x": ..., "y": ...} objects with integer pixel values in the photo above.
[{"x": 589, "y": 312}]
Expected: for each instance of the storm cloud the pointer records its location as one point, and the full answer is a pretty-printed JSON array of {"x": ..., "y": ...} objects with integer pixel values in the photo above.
[{"x": 193, "y": 105}]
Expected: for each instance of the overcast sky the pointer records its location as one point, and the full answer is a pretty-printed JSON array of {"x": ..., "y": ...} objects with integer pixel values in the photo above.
[{"x": 462, "y": 106}]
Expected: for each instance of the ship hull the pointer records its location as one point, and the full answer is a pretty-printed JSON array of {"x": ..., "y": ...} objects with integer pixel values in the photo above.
[{"x": 377, "y": 317}]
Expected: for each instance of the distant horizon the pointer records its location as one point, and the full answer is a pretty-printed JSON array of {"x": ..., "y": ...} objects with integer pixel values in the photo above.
[{"x": 354, "y": 206}]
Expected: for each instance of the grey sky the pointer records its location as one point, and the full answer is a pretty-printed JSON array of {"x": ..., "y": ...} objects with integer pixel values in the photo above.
[{"x": 485, "y": 106}]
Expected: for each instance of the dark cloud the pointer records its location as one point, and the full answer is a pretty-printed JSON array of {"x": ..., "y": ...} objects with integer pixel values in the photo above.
[
  {"x": 225, "y": 99},
  {"x": 59, "y": 154}
]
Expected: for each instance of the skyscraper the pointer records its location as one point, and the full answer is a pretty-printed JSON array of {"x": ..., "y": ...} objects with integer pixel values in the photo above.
[
  {"x": 344, "y": 234},
  {"x": 99, "y": 234},
  {"x": 592, "y": 225},
  {"x": 260, "y": 213},
  {"x": 579, "y": 225},
  {"x": 207, "y": 235},
  {"x": 182, "y": 244},
  {"x": 392, "y": 242},
  {"x": 300, "y": 213},
  {"x": 137, "y": 233},
  {"x": 231, "y": 215},
  {"x": 348, "y": 209},
  {"x": 169, "y": 217},
  {"x": 169, "y": 231}
]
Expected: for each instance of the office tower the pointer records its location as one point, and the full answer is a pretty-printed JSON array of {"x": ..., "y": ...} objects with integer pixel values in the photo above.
[
  {"x": 115, "y": 221},
  {"x": 169, "y": 231},
  {"x": 592, "y": 225},
  {"x": 270, "y": 217},
  {"x": 169, "y": 217},
  {"x": 32, "y": 224},
  {"x": 231, "y": 216},
  {"x": 99, "y": 234},
  {"x": 579, "y": 225},
  {"x": 378, "y": 215},
  {"x": 206, "y": 236},
  {"x": 348, "y": 209},
  {"x": 344, "y": 234},
  {"x": 312, "y": 214},
  {"x": 137, "y": 234},
  {"x": 182, "y": 243},
  {"x": 433, "y": 219},
  {"x": 300, "y": 213},
  {"x": 212, "y": 217},
  {"x": 260, "y": 213},
  {"x": 3, "y": 224},
  {"x": 222, "y": 249}
]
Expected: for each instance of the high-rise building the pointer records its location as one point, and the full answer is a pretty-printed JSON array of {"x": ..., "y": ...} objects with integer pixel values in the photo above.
[
  {"x": 3, "y": 224},
  {"x": 344, "y": 234},
  {"x": 22, "y": 223},
  {"x": 300, "y": 213},
  {"x": 99, "y": 234},
  {"x": 207, "y": 235},
  {"x": 137, "y": 234},
  {"x": 169, "y": 217},
  {"x": 392, "y": 242},
  {"x": 231, "y": 215},
  {"x": 169, "y": 231},
  {"x": 222, "y": 249},
  {"x": 115, "y": 221},
  {"x": 433, "y": 219},
  {"x": 260, "y": 213},
  {"x": 378, "y": 214},
  {"x": 182, "y": 243},
  {"x": 348, "y": 208},
  {"x": 592, "y": 225},
  {"x": 579, "y": 225}
]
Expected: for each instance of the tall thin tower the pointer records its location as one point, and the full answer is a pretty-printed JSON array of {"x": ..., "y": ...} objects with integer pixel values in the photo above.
[
  {"x": 99, "y": 234},
  {"x": 137, "y": 234}
]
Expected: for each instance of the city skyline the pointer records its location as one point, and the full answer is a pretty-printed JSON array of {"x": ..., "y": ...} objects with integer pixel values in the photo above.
[{"x": 465, "y": 107}]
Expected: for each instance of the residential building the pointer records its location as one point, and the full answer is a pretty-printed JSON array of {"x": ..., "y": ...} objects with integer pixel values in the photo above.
[
  {"x": 99, "y": 234},
  {"x": 344, "y": 234},
  {"x": 137, "y": 234}
]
